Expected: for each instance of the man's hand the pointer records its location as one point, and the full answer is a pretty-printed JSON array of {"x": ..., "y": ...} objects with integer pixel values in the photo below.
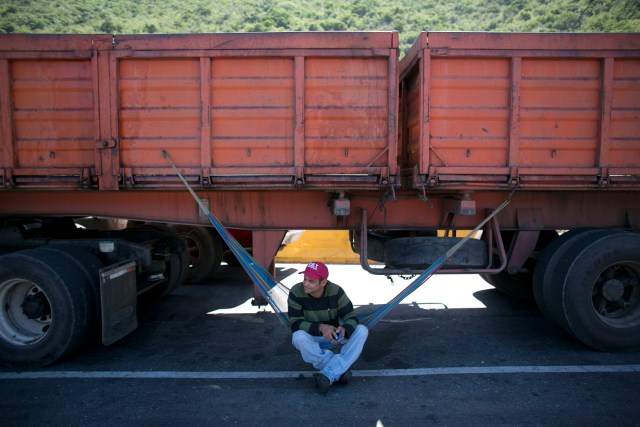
[{"x": 330, "y": 333}]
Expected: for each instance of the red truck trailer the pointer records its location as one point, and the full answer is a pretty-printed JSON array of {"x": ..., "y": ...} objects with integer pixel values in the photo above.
[
  {"x": 555, "y": 117},
  {"x": 280, "y": 131}
]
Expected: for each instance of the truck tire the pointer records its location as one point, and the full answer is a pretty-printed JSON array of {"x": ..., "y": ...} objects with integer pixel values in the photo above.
[
  {"x": 598, "y": 297},
  {"x": 546, "y": 265},
  {"x": 174, "y": 274},
  {"x": 179, "y": 265},
  {"x": 90, "y": 266},
  {"x": 205, "y": 250},
  {"x": 46, "y": 307},
  {"x": 557, "y": 271}
]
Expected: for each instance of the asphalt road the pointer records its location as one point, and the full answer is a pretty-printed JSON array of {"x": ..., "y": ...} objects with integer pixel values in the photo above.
[{"x": 456, "y": 352}]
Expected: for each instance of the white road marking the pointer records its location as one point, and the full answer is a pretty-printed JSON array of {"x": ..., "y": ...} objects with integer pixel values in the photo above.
[{"x": 188, "y": 375}]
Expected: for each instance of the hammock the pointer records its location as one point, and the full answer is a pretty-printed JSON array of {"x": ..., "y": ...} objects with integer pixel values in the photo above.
[{"x": 276, "y": 293}]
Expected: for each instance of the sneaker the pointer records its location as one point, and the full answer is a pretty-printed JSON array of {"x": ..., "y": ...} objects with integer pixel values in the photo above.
[
  {"x": 344, "y": 379},
  {"x": 322, "y": 383}
]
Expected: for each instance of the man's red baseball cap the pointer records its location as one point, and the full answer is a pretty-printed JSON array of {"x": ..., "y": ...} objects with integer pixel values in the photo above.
[{"x": 316, "y": 270}]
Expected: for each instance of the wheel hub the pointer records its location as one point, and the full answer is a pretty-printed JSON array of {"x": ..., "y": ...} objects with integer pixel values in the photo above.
[
  {"x": 613, "y": 290},
  {"x": 25, "y": 312},
  {"x": 34, "y": 306},
  {"x": 616, "y": 294}
]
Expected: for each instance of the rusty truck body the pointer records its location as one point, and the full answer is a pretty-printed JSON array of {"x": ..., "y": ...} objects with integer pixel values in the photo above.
[{"x": 281, "y": 131}]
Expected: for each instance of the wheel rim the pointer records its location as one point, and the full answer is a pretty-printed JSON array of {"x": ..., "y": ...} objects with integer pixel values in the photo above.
[
  {"x": 25, "y": 312},
  {"x": 616, "y": 295},
  {"x": 193, "y": 247}
]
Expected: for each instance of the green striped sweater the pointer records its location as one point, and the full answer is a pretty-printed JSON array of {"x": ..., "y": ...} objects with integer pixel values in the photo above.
[{"x": 333, "y": 307}]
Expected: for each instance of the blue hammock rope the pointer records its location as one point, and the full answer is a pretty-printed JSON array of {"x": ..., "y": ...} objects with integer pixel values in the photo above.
[{"x": 267, "y": 284}]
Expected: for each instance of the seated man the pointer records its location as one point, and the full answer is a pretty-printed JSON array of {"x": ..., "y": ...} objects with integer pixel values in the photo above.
[{"x": 321, "y": 313}]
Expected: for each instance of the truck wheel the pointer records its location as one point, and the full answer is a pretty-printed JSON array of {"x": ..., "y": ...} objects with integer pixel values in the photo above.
[
  {"x": 205, "y": 251},
  {"x": 174, "y": 273},
  {"x": 600, "y": 295},
  {"x": 557, "y": 271},
  {"x": 547, "y": 262},
  {"x": 46, "y": 307},
  {"x": 90, "y": 266},
  {"x": 178, "y": 266}
]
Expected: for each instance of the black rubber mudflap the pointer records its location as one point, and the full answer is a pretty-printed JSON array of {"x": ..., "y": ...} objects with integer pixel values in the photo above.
[{"x": 118, "y": 298}]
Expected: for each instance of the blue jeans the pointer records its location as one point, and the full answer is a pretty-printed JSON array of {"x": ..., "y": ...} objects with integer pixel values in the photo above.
[{"x": 331, "y": 364}]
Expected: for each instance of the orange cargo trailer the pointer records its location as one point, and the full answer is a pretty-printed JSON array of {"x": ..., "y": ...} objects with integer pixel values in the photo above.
[
  {"x": 248, "y": 118},
  {"x": 557, "y": 118},
  {"x": 280, "y": 131},
  {"x": 259, "y": 110},
  {"x": 551, "y": 111}
]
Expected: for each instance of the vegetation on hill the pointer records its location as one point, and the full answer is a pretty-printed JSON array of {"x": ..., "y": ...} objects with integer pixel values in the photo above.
[{"x": 408, "y": 17}]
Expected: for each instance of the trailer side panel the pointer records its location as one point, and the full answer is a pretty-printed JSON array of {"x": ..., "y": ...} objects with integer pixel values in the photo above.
[{"x": 499, "y": 110}]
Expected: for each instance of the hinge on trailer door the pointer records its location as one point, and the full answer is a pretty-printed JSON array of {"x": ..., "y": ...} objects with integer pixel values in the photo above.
[
  {"x": 384, "y": 178},
  {"x": 6, "y": 179},
  {"x": 299, "y": 178},
  {"x": 514, "y": 178},
  {"x": 127, "y": 177},
  {"x": 433, "y": 179},
  {"x": 422, "y": 181},
  {"x": 85, "y": 180},
  {"x": 603, "y": 178},
  {"x": 205, "y": 181}
]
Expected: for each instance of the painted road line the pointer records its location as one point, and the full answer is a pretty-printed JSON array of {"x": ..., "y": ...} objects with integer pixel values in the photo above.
[{"x": 231, "y": 375}]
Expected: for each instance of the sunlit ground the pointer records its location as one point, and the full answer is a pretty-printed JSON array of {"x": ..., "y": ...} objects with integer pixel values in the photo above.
[{"x": 441, "y": 291}]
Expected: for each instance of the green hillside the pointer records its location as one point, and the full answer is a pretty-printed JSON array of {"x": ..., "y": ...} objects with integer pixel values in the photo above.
[{"x": 409, "y": 17}]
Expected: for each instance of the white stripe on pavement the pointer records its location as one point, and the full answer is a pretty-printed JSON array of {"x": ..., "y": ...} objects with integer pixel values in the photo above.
[{"x": 472, "y": 370}]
